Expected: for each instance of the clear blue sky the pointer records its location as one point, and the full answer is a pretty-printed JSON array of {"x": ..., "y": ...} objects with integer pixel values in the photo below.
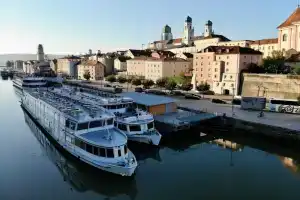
[{"x": 77, "y": 25}]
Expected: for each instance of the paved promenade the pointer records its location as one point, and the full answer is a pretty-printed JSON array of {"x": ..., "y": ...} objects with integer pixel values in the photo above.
[{"x": 289, "y": 121}]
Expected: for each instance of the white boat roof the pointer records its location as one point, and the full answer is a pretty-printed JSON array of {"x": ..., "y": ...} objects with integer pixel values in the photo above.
[
  {"x": 101, "y": 97},
  {"x": 107, "y": 137},
  {"x": 74, "y": 109}
]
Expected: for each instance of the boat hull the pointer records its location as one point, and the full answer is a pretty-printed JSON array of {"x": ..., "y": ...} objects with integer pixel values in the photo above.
[
  {"x": 153, "y": 139},
  {"x": 118, "y": 170}
]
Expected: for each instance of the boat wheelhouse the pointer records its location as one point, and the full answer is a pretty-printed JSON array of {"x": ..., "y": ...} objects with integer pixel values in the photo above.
[
  {"x": 85, "y": 130},
  {"x": 137, "y": 124}
]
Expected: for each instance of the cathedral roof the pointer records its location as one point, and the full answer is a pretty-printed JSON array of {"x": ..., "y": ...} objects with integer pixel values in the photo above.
[
  {"x": 188, "y": 19},
  {"x": 231, "y": 50},
  {"x": 265, "y": 41},
  {"x": 294, "y": 17}
]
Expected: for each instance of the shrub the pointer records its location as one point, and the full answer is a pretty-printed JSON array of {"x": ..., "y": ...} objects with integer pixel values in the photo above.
[
  {"x": 171, "y": 85},
  {"x": 136, "y": 82},
  {"x": 147, "y": 83},
  {"x": 111, "y": 78},
  {"x": 161, "y": 82},
  {"x": 122, "y": 79}
]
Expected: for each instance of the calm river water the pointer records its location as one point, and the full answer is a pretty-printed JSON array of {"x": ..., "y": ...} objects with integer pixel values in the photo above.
[{"x": 194, "y": 168}]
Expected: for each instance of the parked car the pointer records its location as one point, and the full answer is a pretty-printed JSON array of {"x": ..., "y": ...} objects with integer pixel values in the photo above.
[
  {"x": 220, "y": 101},
  {"x": 138, "y": 89},
  {"x": 192, "y": 96},
  {"x": 107, "y": 85}
]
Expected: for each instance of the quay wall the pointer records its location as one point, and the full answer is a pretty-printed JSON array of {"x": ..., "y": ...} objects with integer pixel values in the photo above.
[{"x": 271, "y": 85}]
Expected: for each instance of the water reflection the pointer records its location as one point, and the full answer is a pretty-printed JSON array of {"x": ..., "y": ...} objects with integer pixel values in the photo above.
[
  {"x": 227, "y": 144},
  {"x": 81, "y": 177},
  {"x": 290, "y": 163}
]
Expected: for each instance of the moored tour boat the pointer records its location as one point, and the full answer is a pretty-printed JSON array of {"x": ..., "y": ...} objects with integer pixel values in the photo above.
[{"x": 84, "y": 130}]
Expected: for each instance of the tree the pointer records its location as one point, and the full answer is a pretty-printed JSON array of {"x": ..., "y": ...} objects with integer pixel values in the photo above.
[
  {"x": 203, "y": 87},
  {"x": 9, "y": 63},
  {"x": 111, "y": 78},
  {"x": 147, "y": 83},
  {"x": 171, "y": 85},
  {"x": 87, "y": 75},
  {"x": 296, "y": 69},
  {"x": 161, "y": 82},
  {"x": 122, "y": 79},
  {"x": 275, "y": 64},
  {"x": 129, "y": 79},
  {"x": 136, "y": 82},
  {"x": 186, "y": 86},
  {"x": 253, "y": 68}
]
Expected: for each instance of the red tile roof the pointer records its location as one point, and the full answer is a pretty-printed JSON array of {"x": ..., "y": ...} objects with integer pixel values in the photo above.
[
  {"x": 266, "y": 41},
  {"x": 294, "y": 17}
]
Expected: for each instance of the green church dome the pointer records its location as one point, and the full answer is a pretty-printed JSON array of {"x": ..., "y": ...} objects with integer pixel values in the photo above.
[
  {"x": 166, "y": 29},
  {"x": 188, "y": 19}
]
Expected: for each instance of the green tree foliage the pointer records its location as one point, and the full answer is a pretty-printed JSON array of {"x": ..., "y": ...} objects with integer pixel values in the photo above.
[
  {"x": 122, "y": 79},
  {"x": 147, "y": 83},
  {"x": 111, "y": 78},
  {"x": 186, "y": 86},
  {"x": 254, "y": 68},
  {"x": 171, "y": 85},
  {"x": 129, "y": 79},
  {"x": 203, "y": 87},
  {"x": 161, "y": 82},
  {"x": 9, "y": 63},
  {"x": 275, "y": 64},
  {"x": 296, "y": 69},
  {"x": 136, "y": 81},
  {"x": 87, "y": 75}
]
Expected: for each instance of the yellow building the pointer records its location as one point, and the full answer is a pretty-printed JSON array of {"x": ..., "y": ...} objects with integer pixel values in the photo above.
[{"x": 95, "y": 68}]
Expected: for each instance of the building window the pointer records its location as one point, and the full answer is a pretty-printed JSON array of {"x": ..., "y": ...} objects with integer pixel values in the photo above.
[
  {"x": 244, "y": 63},
  {"x": 208, "y": 57},
  {"x": 216, "y": 69},
  {"x": 218, "y": 84},
  {"x": 227, "y": 63},
  {"x": 230, "y": 77},
  {"x": 201, "y": 75},
  {"x": 245, "y": 56},
  {"x": 224, "y": 76},
  {"x": 201, "y": 57},
  {"x": 284, "y": 37},
  {"x": 201, "y": 69},
  {"x": 196, "y": 63},
  {"x": 215, "y": 76},
  {"x": 232, "y": 84},
  {"x": 196, "y": 57},
  {"x": 223, "y": 84},
  {"x": 269, "y": 47},
  {"x": 201, "y": 63},
  {"x": 227, "y": 69}
]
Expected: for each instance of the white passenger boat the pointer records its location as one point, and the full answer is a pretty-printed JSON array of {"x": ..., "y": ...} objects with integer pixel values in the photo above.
[
  {"x": 84, "y": 130},
  {"x": 35, "y": 81},
  {"x": 137, "y": 124}
]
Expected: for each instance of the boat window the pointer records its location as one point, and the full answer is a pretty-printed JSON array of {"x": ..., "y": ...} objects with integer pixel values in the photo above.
[
  {"x": 135, "y": 128},
  {"x": 119, "y": 153},
  {"x": 77, "y": 142},
  {"x": 95, "y": 151},
  {"x": 109, "y": 153},
  {"x": 102, "y": 152},
  {"x": 125, "y": 149},
  {"x": 284, "y": 102},
  {"x": 113, "y": 107},
  {"x": 150, "y": 125},
  {"x": 122, "y": 127},
  {"x": 82, "y": 126},
  {"x": 115, "y": 124},
  {"x": 71, "y": 125},
  {"x": 109, "y": 121},
  {"x": 95, "y": 124},
  {"x": 89, "y": 148},
  {"x": 82, "y": 145}
]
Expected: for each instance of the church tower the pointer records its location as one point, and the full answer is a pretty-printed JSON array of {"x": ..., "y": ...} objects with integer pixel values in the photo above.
[
  {"x": 166, "y": 33},
  {"x": 188, "y": 33},
  {"x": 40, "y": 53},
  {"x": 208, "y": 29}
]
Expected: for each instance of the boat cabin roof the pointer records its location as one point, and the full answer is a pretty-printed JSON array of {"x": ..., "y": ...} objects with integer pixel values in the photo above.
[
  {"x": 106, "y": 138},
  {"x": 76, "y": 110}
]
